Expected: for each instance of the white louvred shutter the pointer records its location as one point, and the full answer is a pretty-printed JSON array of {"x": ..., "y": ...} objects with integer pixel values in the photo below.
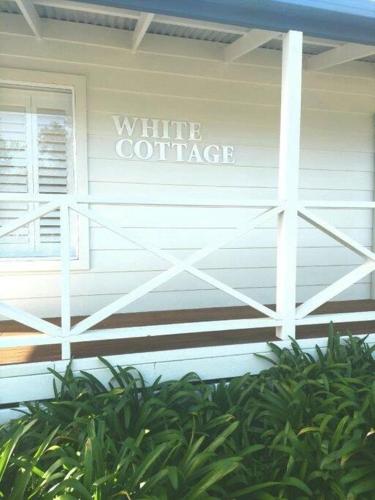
[
  {"x": 15, "y": 167},
  {"x": 54, "y": 159},
  {"x": 36, "y": 158}
]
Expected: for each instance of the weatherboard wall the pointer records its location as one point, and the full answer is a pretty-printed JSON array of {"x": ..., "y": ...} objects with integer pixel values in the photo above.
[{"x": 236, "y": 104}]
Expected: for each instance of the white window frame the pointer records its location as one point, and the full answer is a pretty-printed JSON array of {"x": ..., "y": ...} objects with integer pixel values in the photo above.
[{"x": 77, "y": 85}]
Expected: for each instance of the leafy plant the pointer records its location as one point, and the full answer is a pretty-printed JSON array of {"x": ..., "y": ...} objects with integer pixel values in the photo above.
[{"x": 305, "y": 428}]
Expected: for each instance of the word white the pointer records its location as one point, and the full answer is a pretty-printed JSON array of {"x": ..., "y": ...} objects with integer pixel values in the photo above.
[{"x": 158, "y": 140}]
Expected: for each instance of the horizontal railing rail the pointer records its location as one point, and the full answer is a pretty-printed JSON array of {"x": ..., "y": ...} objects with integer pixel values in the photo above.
[{"x": 134, "y": 199}]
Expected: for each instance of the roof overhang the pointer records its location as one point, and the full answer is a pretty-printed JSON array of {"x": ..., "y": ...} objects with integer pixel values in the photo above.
[
  {"x": 110, "y": 23},
  {"x": 347, "y": 20}
]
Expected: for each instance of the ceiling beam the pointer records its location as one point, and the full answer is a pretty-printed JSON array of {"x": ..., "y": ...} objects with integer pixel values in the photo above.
[
  {"x": 338, "y": 55},
  {"x": 144, "y": 21},
  {"x": 248, "y": 42},
  {"x": 31, "y": 16}
]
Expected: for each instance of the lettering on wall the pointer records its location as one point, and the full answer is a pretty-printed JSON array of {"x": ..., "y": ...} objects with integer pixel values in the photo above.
[{"x": 166, "y": 140}]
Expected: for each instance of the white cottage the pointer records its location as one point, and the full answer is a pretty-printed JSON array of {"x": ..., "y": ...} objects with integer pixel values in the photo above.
[{"x": 181, "y": 182}]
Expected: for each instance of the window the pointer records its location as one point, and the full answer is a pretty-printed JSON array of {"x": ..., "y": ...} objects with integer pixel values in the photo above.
[
  {"x": 38, "y": 145},
  {"x": 36, "y": 151}
]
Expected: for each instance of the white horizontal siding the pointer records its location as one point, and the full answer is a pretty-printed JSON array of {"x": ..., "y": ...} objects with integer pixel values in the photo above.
[
  {"x": 255, "y": 157},
  {"x": 140, "y": 217},
  {"x": 181, "y": 299},
  {"x": 172, "y": 238},
  {"x": 123, "y": 282},
  {"x": 265, "y": 65},
  {"x": 103, "y": 146},
  {"x": 237, "y": 104}
]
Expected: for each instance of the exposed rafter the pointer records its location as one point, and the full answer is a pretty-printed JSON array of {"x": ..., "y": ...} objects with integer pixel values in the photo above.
[
  {"x": 132, "y": 14},
  {"x": 91, "y": 8},
  {"x": 248, "y": 42},
  {"x": 31, "y": 16},
  {"x": 339, "y": 55},
  {"x": 144, "y": 21},
  {"x": 77, "y": 6},
  {"x": 202, "y": 25}
]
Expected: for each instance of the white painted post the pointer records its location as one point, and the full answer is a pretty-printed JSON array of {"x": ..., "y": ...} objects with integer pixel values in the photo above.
[
  {"x": 291, "y": 90},
  {"x": 65, "y": 280}
]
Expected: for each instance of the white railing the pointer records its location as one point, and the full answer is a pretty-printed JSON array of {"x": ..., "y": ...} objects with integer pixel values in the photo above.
[
  {"x": 287, "y": 209},
  {"x": 82, "y": 331}
]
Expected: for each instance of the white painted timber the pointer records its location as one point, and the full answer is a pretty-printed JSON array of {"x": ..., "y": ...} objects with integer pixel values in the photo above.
[
  {"x": 33, "y": 382},
  {"x": 21, "y": 316},
  {"x": 338, "y": 55},
  {"x": 177, "y": 268},
  {"x": 143, "y": 23},
  {"x": 323, "y": 319},
  {"x": 132, "y": 14},
  {"x": 140, "y": 331},
  {"x": 27, "y": 340},
  {"x": 113, "y": 282},
  {"x": 29, "y": 217},
  {"x": 335, "y": 289},
  {"x": 248, "y": 42},
  {"x": 291, "y": 90},
  {"x": 31, "y": 16},
  {"x": 104, "y": 57},
  {"x": 89, "y": 7},
  {"x": 203, "y": 52},
  {"x": 336, "y": 234},
  {"x": 181, "y": 297},
  {"x": 137, "y": 199},
  {"x": 194, "y": 205},
  {"x": 65, "y": 279}
]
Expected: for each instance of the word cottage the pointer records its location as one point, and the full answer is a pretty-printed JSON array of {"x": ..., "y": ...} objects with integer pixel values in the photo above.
[{"x": 166, "y": 140}]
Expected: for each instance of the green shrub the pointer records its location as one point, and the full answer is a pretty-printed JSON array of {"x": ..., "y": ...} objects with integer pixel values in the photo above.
[{"x": 304, "y": 428}]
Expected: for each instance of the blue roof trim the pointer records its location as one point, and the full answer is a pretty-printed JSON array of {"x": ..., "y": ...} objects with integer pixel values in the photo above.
[{"x": 347, "y": 20}]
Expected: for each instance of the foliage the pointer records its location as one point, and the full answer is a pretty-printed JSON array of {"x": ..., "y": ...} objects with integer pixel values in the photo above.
[{"x": 304, "y": 428}]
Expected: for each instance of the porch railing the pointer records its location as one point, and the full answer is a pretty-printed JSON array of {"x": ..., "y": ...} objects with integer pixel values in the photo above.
[
  {"x": 287, "y": 208},
  {"x": 82, "y": 331}
]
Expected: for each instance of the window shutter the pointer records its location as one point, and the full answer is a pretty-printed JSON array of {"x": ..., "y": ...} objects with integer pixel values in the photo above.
[
  {"x": 53, "y": 161},
  {"x": 14, "y": 169},
  {"x": 36, "y": 157}
]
